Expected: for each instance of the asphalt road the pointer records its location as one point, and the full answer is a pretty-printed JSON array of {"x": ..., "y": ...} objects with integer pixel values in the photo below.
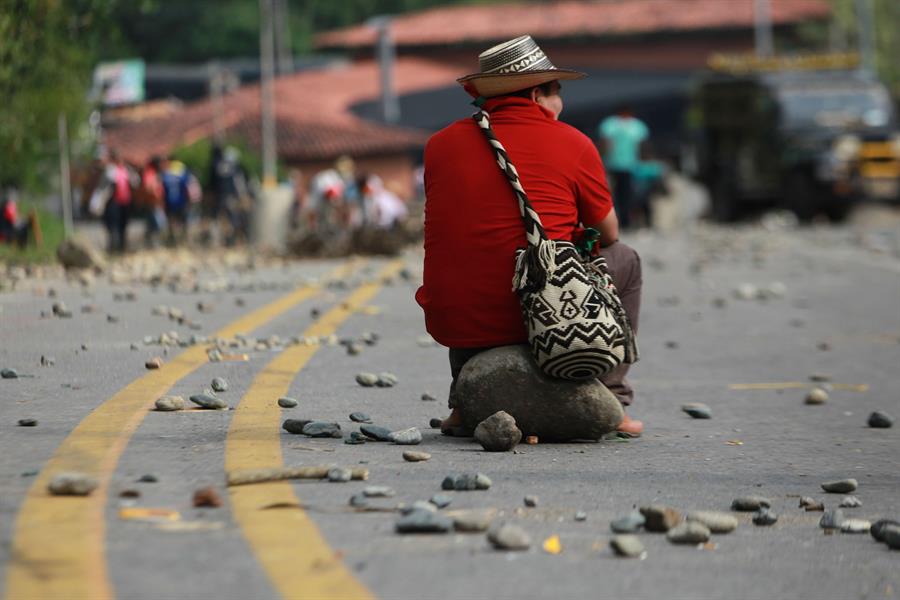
[{"x": 840, "y": 291}]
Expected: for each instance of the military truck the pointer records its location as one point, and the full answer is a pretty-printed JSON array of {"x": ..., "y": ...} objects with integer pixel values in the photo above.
[{"x": 808, "y": 134}]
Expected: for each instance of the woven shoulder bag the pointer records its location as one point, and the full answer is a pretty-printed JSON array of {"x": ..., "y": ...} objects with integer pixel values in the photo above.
[{"x": 577, "y": 327}]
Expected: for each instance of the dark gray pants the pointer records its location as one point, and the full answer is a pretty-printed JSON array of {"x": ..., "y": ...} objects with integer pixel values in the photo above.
[{"x": 625, "y": 268}]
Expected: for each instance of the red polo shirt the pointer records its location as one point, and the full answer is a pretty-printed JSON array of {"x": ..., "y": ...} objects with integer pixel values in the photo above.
[{"x": 472, "y": 222}]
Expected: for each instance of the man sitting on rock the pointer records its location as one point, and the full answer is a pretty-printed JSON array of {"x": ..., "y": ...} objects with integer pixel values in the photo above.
[{"x": 472, "y": 221}]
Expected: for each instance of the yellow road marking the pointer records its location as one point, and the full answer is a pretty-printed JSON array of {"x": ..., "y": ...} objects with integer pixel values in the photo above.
[
  {"x": 287, "y": 544},
  {"x": 57, "y": 548},
  {"x": 790, "y": 385}
]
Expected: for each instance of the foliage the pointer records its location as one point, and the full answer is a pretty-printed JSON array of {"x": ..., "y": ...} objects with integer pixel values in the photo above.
[
  {"x": 197, "y": 158},
  {"x": 52, "y": 231},
  {"x": 46, "y": 56}
]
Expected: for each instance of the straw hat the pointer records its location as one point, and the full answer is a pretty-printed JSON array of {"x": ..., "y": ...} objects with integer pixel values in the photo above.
[{"x": 512, "y": 66}]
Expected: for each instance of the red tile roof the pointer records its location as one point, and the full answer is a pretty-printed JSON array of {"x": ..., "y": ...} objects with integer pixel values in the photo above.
[
  {"x": 313, "y": 117},
  {"x": 549, "y": 20}
]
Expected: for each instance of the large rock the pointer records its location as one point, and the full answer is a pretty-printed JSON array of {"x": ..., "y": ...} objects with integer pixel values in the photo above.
[
  {"x": 507, "y": 379},
  {"x": 78, "y": 253}
]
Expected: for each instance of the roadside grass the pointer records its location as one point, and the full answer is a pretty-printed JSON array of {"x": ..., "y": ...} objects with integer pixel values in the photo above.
[{"x": 53, "y": 233}]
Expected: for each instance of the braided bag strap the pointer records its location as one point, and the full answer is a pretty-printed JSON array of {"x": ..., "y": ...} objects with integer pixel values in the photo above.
[{"x": 534, "y": 229}]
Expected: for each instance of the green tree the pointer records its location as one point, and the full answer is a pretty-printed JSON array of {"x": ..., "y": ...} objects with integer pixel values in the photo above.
[
  {"x": 46, "y": 56},
  {"x": 887, "y": 35}
]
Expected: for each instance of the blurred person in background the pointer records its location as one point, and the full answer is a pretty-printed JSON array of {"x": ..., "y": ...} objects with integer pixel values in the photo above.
[
  {"x": 326, "y": 192},
  {"x": 231, "y": 195},
  {"x": 621, "y": 137},
  {"x": 649, "y": 182},
  {"x": 152, "y": 198},
  {"x": 121, "y": 183},
  {"x": 176, "y": 181},
  {"x": 350, "y": 208},
  {"x": 15, "y": 230},
  {"x": 382, "y": 207}
]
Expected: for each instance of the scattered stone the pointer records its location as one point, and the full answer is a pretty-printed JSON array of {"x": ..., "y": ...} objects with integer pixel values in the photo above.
[
  {"x": 295, "y": 425},
  {"x": 112, "y": 319},
  {"x": 148, "y": 478},
  {"x": 407, "y": 437},
  {"x": 820, "y": 377},
  {"x": 9, "y": 374},
  {"x": 498, "y": 433},
  {"x": 208, "y": 401},
  {"x": 581, "y": 516},
  {"x": 891, "y": 535},
  {"x": 844, "y": 486},
  {"x": 413, "y": 456},
  {"x": 878, "y": 528},
  {"x": 688, "y": 533},
  {"x": 405, "y": 509},
  {"x": 322, "y": 429},
  {"x": 832, "y": 519},
  {"x": 426, "y": 397},
  {"x": 746, "y": 291},
  {"x": 628, "y": 546},
  {"x": 424, "y": 521},
  {"x": 630, "y": 523},
  {"x": 466, "y": 482},
  {"x": 716, "y": 522},
  {"x": 207, "y": 497},
  {"x": 816, "y": 396},
  {"x": 359, "y": 501},
  {"x": 472, "y": 521},
  {"x": 366, "y": 379},
  {"x": 378, "y": 491},
  {"x": 78, "y": 253},
  {"x": 154, "y": 363},
  {"x": 850, "y": 502},
  {"x": 750, "y": 503},
  {"x": 61, "y": 310},
  {"x": 219, "y": 385},
  {"x": 441, "y": 500},
  {"x": 811, "y": 504},
  {"x": 28, "y": 422},
  {"x": 47, "y": 361},
  {"x": 130, "y": 493},
  {"x": 354, "y": 348},
  {"x": 360, "y": 417},
  {"x": 509, "y": 537},
  {"x": 286, "y": 402},
  {"x": 355, "y": 439},
  {"x": 856, "y": 526},
  {"x": 530, "y": 501},
  {"x": 435, "y": 423},
  {"x": 506, "y": 379},
  {"x": 379, "y": 434},
  {"x": 340, "y": 475},
  {"x": 880, "y": 420},
  {"x": 449, "y": 483},
  {"x": 72, "y": 484},
  {"x": 697, "y": 410},
  {"x": 660, "y": 518},
  {"x": 169, "y": 403},
  {"x": 765, "y": 516},
  {"x": 386, "y": 380}
]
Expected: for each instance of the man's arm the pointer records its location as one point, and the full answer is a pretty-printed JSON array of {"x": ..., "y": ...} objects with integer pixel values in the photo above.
[
  {"x": 609, "y": 229},
  {"x": 593, "y": 198}
]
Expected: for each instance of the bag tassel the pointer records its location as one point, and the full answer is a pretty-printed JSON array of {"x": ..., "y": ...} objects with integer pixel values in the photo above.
[{"x": 534, "y": 267}]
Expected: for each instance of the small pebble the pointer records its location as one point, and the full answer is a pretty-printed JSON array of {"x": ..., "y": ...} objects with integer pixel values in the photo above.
[
  {"x": 154, "y": 363},
  {"x": 414, "y": 456},
  {"x": 630, "y": 523},
  {"x": 130, "y": 493},
  {"x": 531, "y": 440},
  {"x": 688, "y": 533},
  {"x": 380, "y": 434},
  {"x": 148, "y": 478},
  {"x": 209, "y": 402},
  {"x": 820, "y": 377},
  {"x": 378, "y": 491},
  {"x": 72, "y": 484},
  {"x": 295, "y": 425},
  {"x": 360, "y": 417},
  {"x": 322, "y": 429},
  {"x": 856, "y": 526},
  {"x": 169, "y": 403},
  {"x": 816, "y": 396},
  {"x": 697, "y": 410},
  {"x": 286, "y": 402},
  {"x": 660, "y": 518},
  {"x": 472, "y": 521},
  {"x": 850, "y": 502},
  {"x": 424, "y": 521},
  {"x": 9, "y": 374},
  {"x": 530, "y": 501},
  {"x": 716, "y": 522},
  {"x": 811, "y": 504},
  {"x": 441, "y": 500},
  {"x": 891, "y": 535},
  {"x": 750, "y": 503},
  {"x": 843, "y": 486},
  {"x": 435, "y": 423},
  {"x": 407, "y": 437},
  {"x": 832, "y": 519},
  {"x": 355, "y": 439},
  {"x": 426, "y": 397},
  {"x": 359, "y": 501},
  {"x": 765, "y": 516},
  {"x": 366, "y": 379},
  {"x": 339, "y": 475},
  {"x": 28, "y": 422},
  {"x": 581, "y": 516},
  {"x": 877, "y": 529},
  {"x": 880, "y": 420},
  {"x": 219, "y": 385},
  {"x": 386, "y": 380},
  {"x": 509, "y": 537},
  {"x": 207, "y": 497},
  {"x": 628, "y": 546}
]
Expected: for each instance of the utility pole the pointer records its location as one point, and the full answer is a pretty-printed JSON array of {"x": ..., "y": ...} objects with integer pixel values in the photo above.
[
  {"x": 865, "y": 19},
  {"x": 762, "y": 17},
  {"x": 284, "y": 53},
  {"x": 390, "y": 108},
  {"x": 267, "y": 92},
  {"x": 216, "y": 89},
  {"x": 65, "y": 178}
]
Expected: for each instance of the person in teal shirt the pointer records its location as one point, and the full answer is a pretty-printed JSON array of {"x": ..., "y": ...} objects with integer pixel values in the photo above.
[{"x": 622, "y": 135}]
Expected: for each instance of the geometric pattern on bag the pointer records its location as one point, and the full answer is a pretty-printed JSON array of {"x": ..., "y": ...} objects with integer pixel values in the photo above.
[{"x": 577, "y": 327}]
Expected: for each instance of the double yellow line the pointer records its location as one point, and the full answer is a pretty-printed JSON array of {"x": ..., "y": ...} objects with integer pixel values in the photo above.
[{"x": 58, "y": 543}]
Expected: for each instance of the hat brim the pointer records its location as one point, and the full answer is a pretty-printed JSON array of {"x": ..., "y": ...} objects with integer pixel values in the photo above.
[{"x": 497, "y": 84}]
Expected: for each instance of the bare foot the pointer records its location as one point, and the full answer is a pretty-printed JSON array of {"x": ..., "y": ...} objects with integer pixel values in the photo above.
[
  {"x": 453, "y": 425},
  {"x": 630, "y": 426}
]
